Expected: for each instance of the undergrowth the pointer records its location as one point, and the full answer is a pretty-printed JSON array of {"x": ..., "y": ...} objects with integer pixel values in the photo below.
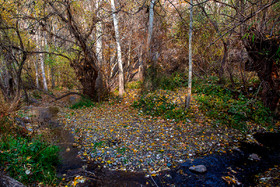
[
  {"x": 230, "y": 107},
  {"x": 134, "y": 85},
  {"x": 29, "y": 160},
  {"x": 83, "y": 103},
  {"x": 158, "y": 105}
]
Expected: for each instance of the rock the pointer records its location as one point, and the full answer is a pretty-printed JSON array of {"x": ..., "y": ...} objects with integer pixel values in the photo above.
[
  {"x": 198, "y": 169},
  {"x": 73, "y": 100},
  {"x": 9, "y": 182},
  {"x": 43, "y": 114},
  {"x": 26, "y": 119},
  {"x": 254, "y": 157},
  {"x": 19, "y": 122},
  {"x": 75, "y": 145}
]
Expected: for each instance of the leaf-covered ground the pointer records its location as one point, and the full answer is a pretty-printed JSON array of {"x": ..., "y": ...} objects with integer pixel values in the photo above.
[{"x": 121, "y": 138}]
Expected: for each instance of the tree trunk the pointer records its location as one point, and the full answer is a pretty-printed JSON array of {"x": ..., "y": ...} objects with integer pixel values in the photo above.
[
  {"x": 53, "y": 76},
  {"x": 86, "y": 66},
  {"x": 150, "y": 74},
  {"x": 150, "y": 28},
  {"x": 36, "y": 71},
  {"x": 87, "y": 77},
  {"x": 188, "y": 99},
  {"x": 98, "y": 35},
  {"x": 121, "y": 74},
  {"x": 41, "y": 45},
  {"x": 141, "y": 65},
  {"x": 265, "y": 64}
]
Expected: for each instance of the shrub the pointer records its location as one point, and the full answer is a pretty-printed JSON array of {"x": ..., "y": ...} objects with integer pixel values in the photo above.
[
  {"x": 29, "y": 161},
  {"x": 83, "y": 103},
  {"x": 226, "y": 108},
  {"x": 155, "y": 105},
  {"x": 155, "y": 78},
  {"x": 172, "y": 82},
  {"x": 134, "y": 85}
]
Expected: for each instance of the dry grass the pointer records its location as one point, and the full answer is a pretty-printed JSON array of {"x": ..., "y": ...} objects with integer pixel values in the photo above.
[{"x": 7, "y": 108}]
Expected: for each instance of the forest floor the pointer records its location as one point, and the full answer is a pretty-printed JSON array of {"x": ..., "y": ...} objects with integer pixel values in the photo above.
[{"x": 120, "y": 138}]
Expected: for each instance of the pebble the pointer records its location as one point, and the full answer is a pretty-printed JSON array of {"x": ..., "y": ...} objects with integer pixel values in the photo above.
[
  {"x": 254, "y": 157},
  {"x": 198, "y": 169}
]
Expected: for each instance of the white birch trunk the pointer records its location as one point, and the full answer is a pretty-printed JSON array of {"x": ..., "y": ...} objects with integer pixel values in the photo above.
[
  {"x": 141, "y": 66},
  {"x": 53, "y": 67},
  {"x": 121, "y": 74},
  {"x": 151, "y": 24},
  {"x": 98, "y": 35},
  {"x": 41, "y": 43},
  {"x": 36, "y": 71},
  {"x": 188, "y": 99}
]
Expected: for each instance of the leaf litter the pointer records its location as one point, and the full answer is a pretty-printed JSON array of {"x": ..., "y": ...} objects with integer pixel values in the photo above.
[{"x": 119, "y": 137}]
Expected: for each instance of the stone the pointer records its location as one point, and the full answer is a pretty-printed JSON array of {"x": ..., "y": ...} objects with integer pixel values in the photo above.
[
  {"x": 254, "y": 157},
  {"x": 198, "y": 169},
  {"x": 9, "y": 182},
  {"x": 75, "y": 145},
  {"x": 73, "y": 100}
]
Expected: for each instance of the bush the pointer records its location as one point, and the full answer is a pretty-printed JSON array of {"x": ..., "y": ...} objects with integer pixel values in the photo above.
[
  {"x": 29, "y": 161},
  {"x": 134, "y": 85},
  {"x": 155, "y": 105},
  {"x": 155, "y": 78},
  {"x": 226, "y": 108},
  {"x": 176, "y": 80},
  {"x": 83, "y": 103}
]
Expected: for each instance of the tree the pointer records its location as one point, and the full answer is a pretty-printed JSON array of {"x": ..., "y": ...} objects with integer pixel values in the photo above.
[
  {"x": 13, "y": 53},
  {"x": 151, "y": 25},
  {"x": 85, "y": 62},
  {"x": 188, "y": 99},
  {"x": 119, "y": 52},
  {"x": 41, "y": 42},
  {"x": 98, "y": 33}
]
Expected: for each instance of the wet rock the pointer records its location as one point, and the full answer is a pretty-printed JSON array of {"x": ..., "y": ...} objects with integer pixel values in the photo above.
[
  {"x": 198, "y": 169},
  {"x": 254, "y": 157}
]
